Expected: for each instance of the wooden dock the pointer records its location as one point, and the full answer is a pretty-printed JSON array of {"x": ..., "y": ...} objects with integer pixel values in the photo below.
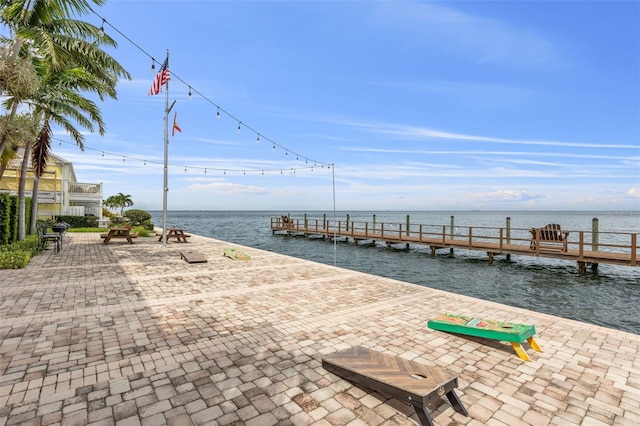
[{"x": 587, "y": 248}]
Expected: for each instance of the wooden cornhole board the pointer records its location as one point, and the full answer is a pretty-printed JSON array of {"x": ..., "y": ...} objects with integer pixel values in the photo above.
[
  {"x": 408, "y": 381},
  {"x": 488, "y": 329},
  {"x": 235, "y": 254},
  {"x": 193, "y": 257}
]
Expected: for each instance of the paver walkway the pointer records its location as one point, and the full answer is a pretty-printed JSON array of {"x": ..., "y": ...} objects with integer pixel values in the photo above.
[{"x": 132, "y": 334}]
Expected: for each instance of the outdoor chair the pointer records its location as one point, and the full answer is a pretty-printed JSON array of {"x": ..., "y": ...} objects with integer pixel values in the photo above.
[{"x": 46, "y": 237}]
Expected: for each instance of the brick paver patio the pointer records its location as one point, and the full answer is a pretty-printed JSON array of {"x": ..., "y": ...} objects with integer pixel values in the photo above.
[{"x": 132, "y": 335}]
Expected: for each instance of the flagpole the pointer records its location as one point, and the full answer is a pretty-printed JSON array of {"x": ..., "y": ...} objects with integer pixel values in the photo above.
[{"x": 166, "y": 162}]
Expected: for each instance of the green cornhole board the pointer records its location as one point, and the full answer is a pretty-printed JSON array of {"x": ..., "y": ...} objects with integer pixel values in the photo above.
[
  {"x": 488, "y": 329},
  {"x": 235, "y": 254}
]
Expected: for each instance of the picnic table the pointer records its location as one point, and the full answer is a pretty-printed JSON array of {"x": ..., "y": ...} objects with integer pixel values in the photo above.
[
  {"x": 118, "y": 233},
  {"x": 176, "y": 233}
]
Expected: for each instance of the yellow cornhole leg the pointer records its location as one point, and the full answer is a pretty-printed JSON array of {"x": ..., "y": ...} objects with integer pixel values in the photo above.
[
  {"x": 533, "y": 344},
  {"x": 520, "y": 351}
]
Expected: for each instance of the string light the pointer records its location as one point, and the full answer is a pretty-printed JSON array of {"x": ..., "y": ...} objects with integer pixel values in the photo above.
[
  {"x": 153, "y": 65},
  {"x": 173, "y": 74},
  {"x": 258, "y": 138},
  {"x": 185, "y": 167},
  {"x": 101, "y": 30},
  {"x": 239, "y": 123}
]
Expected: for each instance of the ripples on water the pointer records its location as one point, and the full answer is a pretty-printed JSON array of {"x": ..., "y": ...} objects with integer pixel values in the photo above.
[{"x": 609, "y": 297}]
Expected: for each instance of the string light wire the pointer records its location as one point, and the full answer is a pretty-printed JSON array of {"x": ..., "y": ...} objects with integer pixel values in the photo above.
[
  {"x": 145, "y": 161},
  {"x": 219, "y": 109}
]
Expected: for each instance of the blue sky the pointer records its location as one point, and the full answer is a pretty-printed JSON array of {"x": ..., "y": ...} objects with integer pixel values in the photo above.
[{"x": 419, "y": 105}]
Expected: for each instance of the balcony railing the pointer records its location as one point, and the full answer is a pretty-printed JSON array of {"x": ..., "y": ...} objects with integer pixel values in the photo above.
[{"x": 85, "y": 188}]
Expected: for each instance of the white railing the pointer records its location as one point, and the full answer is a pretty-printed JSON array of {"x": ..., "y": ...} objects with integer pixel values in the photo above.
[
  {"x": 73, "y": 211},
  {"x": 85, "y": 188}
]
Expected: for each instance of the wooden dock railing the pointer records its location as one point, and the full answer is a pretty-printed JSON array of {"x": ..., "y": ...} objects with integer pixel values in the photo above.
[{"x": 585, "y": 247}]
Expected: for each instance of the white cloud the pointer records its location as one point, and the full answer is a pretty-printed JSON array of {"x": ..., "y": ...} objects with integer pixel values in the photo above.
[
  {"x": 634, "y": 191},
  {"x": 483, "y": 40}
]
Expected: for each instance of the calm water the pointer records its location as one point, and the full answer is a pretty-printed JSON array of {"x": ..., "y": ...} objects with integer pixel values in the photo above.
[{"x": 609, "y": 297}]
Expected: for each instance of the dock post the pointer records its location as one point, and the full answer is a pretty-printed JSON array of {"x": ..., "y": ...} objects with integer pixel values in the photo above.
[
  {"x": 594, "y": 234},
  {"x": 508, "y": 235},
  {"x": 408, "y": 225},
  {"x": 374, "y": 223},
  {"x": 451, "y": 228},
  {"x": 324, "y": 221},
  {"x": 305, "y": 221},
  {"x": 582, "y": 267},
  {"x": 347, "y": 226}
]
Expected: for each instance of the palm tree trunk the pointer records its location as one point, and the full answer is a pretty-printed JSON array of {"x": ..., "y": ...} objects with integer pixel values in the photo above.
[
  {"x": 21, "y": 189},
  {"x": 34, "y": 205},
  {"x": 5, "y": 134}
]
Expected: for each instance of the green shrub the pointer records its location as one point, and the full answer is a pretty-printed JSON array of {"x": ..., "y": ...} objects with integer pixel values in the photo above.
[
  {"x": 18, "y": 255},
  {"x": 118, "y": 221},
  {"x": 139, "y": 218},
  {"x": 142, "y": 231},
  {"x": 14, "y": 258},
  {"x": 79, "y": 221}
]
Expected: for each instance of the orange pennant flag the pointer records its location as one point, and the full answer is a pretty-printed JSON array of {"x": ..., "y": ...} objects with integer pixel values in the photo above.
[{"x": 175, "y": 125}]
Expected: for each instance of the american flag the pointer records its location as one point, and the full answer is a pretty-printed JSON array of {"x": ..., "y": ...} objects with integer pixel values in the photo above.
[{"x": 161, "y": 78}]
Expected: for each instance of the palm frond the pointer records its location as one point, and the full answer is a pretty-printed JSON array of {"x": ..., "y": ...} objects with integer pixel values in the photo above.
[{"x": 41, "y": 148}]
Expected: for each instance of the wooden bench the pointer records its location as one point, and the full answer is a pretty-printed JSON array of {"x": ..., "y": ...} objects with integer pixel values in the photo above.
[
  {"x": 550, "y": 237},
  {"x": 408, "y": 381}
]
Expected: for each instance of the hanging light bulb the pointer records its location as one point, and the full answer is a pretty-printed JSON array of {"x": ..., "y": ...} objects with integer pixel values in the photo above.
[
  {"x": 103, "y": 154},
  {"x": 286, "y": 152},
  {"x": 185, "y": 170},
  {"x": 258, "y": 138},
  {"x": 205, "y": 171},
  {"x": 145, "y": 162},
  {"x": 153, "y": 65},
  {"x": 189, "y": 92},
  {"x": 123, "y": 158},
  {"x": 101, "y": 30},
  {"x": 239, "y": 123},
  {"x": 274, "y": 146},
  {"x": 218, "y": 113},
  {"x": 225, "y": 172}
]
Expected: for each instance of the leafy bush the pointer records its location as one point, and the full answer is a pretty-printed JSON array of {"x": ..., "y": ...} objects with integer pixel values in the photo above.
[
  {"x": 139, "y": 218},
  {"x": 118, "y": 221},
  {"x": 79, "y": 221},
  {"x": 142, "y": 231},
  {"x": 18, "y": 255}
]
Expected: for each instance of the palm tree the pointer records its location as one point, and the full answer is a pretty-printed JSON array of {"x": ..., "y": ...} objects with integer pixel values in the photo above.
[
  {"x": 67, "y": 58},
  {"x": 119, "y": 201},
  {"x": 125, "y": 201},
  {"x": 42, "y": 29}
]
